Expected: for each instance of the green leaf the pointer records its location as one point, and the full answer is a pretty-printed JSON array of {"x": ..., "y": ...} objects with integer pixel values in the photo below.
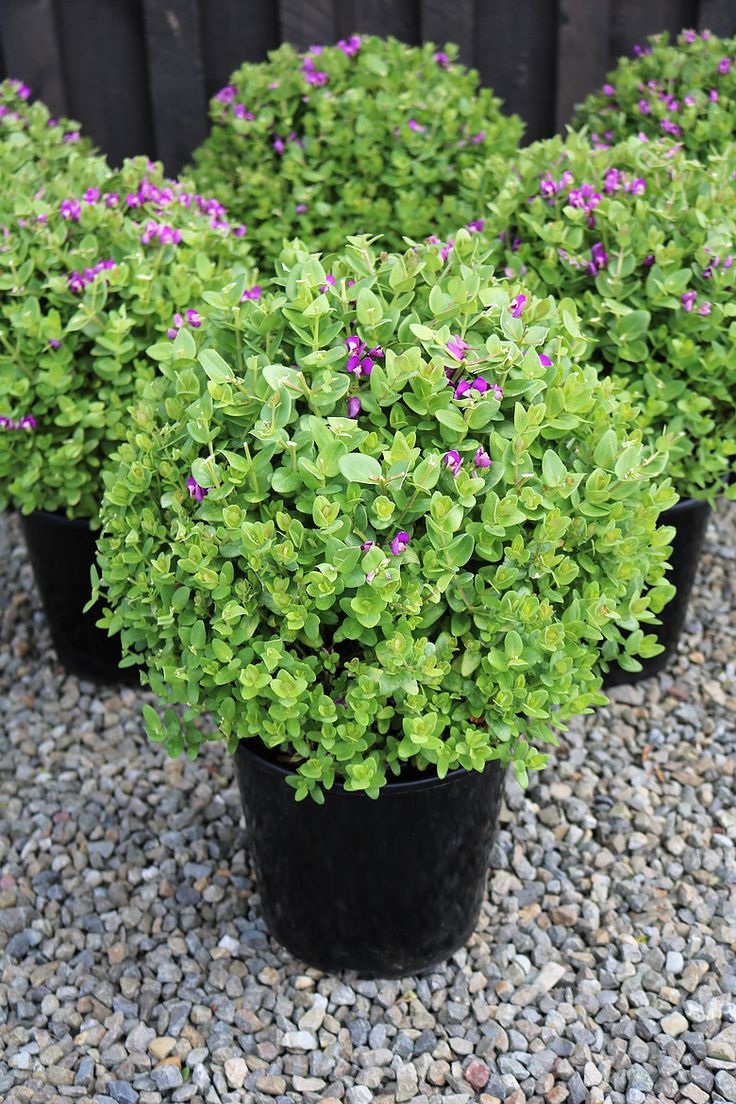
[
  {"x": 358, "y": 468},
  {"x": 215, "y": 367}
]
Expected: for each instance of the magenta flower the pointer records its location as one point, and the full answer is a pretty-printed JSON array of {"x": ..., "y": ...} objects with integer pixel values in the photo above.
[
  {"x": 480, "y": 385},
  {"x": 644, "y": 107},
  {"x": 70, "y": 209},
  {"x": 72, "y": 136},
  {"x": 279, "y": 144},
  {"x": 689, "y": 36},
  {"x": 329, "y": 282},
  {"x": 688, "y": 299},
  {"x": 724, "y": 65},
  {"x": 544, "y": 360},
  {"x": 441, "y": 59},
  {"x": 353, "y": 406},
  {"x": 476, "y": 139},
  {"x": 91, "y": 195},
  {"x": 112, "y": 199},
  {"x": 454, "y": 463},
  {"x": 194, "y": 318},
  {"x": 456, "y": 347},
  {"x": 367, "y": 546},
  {"x": 349, "y": 46},
  {"x": 482, "y": 459},
  {"x": 226, "y": 95},
  {"x": 609, "y": 90},
  {"x": 447, "y": 249},
  {"x": 689, "y": 101},
  {"x": 705, "y": 307},
  {"x": 240, "y": 112},
  {"x": 517, "y": 306},
  {"x": 599, "y": 259},
  {"x": 476, "y": 226},
  {"x": 370, "y": 576},
  {"x": 251, "y": 293},
  {"x": 195, "y": 491},
  {"x": 301, "y": 208},
  {"x": 713, "y": 96},
  {"x": 417, "y": 127},
  {"x": 54, "y": 343},
  {"x": 400, "y": 543}
]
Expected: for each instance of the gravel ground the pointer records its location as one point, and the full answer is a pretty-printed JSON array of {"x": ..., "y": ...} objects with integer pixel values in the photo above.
[{"x": 134, "y": 966}]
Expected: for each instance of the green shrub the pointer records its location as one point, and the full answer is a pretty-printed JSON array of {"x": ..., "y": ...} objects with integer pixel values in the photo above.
[
  {"x": 644, "y": 241},
  {"x": 684, "y": 91},
  {"x": 366, "y": 137},
  {"x": 384, "y": 521},
  {"x": 87, "y": 282}
]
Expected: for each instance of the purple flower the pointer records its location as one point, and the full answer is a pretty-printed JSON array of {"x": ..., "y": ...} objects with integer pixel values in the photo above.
[
  {"x": 476, "y": 226},
  {"x": 689, "y": 36},
  {"x": 72, "y": 136},
  {"x": 91, "y": 195},
  {"x": 648, "y": 261},
  {"x": 480, "y": 385},
  {"x": 671, "y": 128},
  {"x": 442, "y": 59},
  {"x": 447, "y": 249},
  {"x": 400, "y": 543},
  {"x": 370, "y": 576},
  {"x": 301, "y": 208},
  {"x": 28, "y": 422},
  {"x": 240, "y": 112},
  {"x": 194, "y": 318},
  {"x": 609, "y": 90},
  {"x": 329, "y": 282},
  {"x": 239, "y": 231},
  {"x": 453, "y": 461},
  {"x": 713, "y": 96},
  {"x": 544, "y": 360},
  {"x": 350, "y": 46},
  {"x": 482, "y": 459},
  {"x": 70, "y": 209},
  {"x": 456, "y": 347},
  {"x": 279, "y": 144},
  {"x": 476, "y": 139},
  {"x": 353, "y": 406},
  {"x": 54, "y": 343},
  {"x": 688, "y": 299},
  {"x": 226, "y": 95},
  {"x": 644, "y": 107},
  {"x": 251, "y": 293},
  {"x": 689, "y": 101},
  {"x": 705, "y": 307},
  {"x": 195, "y": 490},
  {"x": 600, "y": 258},
  {"x": 724, "y": 65},
  {"x": 517, "y": 306},
  {"x": 462, "y": 389},
  {"x": 417, "y": 127},
  {"x": 112, "y": 199},
  {"x": 367, "y": 546}
]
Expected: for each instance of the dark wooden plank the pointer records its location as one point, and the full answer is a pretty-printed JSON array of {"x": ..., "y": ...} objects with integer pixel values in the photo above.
[
  {"x": 176, "y": 77},
  {"x": 308, "y": 22},
  {"x": 718, "y": 16},
  {"x": 443, "y": 23},
  {"x": 516, "y": 52},
  {"x": 103, "y": 54},
  {"x": 399, "y": 18},
  {"x": 633, "y": 20},
  {"x": 234, "y": 31},
  {"x": 31, "y": 50},
  {"x": 582, "y": 53}
]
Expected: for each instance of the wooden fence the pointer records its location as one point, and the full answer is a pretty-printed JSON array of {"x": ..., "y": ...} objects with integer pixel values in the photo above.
[{"x": 138, "y": 73}]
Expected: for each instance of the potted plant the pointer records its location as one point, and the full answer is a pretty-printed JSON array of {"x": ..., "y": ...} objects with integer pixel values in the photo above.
[
  {"x": 369, "y": 136},
  {"x": 643, "y": 240},
  {"x": 90, "y": 278},
  {"x": 683, "y": 91},
  {"x": 379, "y": 533}
]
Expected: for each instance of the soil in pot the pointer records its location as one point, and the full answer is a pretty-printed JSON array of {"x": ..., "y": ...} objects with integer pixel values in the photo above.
[
  {"x": 62, "y": 552},
  {"x": 385, "y": 887},
  {"x": 690, "y": 519}
]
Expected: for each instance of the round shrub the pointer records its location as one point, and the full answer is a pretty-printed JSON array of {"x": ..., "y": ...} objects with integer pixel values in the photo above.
[
  {"x": 366, "y": 137},
  {"x": 89, "y": 281},
  {"x": 684, "y": 91},
  {"x": 385, "y": 522},
  {"x": 644, "y": 240}
]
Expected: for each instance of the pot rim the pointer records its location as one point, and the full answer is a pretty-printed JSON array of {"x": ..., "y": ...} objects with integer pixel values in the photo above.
[
  {"x": 390, "y": 788},
  {"x": 55, "y": 517},
  {"x": 685, "y": 506}
]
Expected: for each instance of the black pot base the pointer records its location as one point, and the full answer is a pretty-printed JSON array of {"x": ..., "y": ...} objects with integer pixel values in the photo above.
[
  {"x": 61, "y": 552},
  {"x": 380, "y": 888}
]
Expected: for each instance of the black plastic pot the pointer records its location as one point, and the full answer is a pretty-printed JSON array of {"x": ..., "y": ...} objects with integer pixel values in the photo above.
[
  {"x": 61, "y": 553},
  {"x": 690, "y": 519},
  {"x": 385, "y": 887}
]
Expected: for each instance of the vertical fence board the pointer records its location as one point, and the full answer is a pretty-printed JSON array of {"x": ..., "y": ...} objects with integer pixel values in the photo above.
[
  {"x": 234, "y": 31},
  {"x": 104, "y": 61},
  {"x": 718, "y": 16},
  {"x": 582, "y": 53},
  {"x": 516, "y": 53},
  {"x": 399, "y": 18},
  {"x": 633, "y": 20},
  {"x": 307, "y": 24},
  {"x": 31, "y": 49},
  {"x": 441, "y": 23},
  {"x": 176, "y": 78}
]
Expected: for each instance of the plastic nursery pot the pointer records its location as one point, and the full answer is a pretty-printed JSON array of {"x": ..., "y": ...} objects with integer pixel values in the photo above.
[
  {"x": 61, "y": 553},
  {"x": 690, "y": 519},
  {"x": 385, "y": 887}
]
